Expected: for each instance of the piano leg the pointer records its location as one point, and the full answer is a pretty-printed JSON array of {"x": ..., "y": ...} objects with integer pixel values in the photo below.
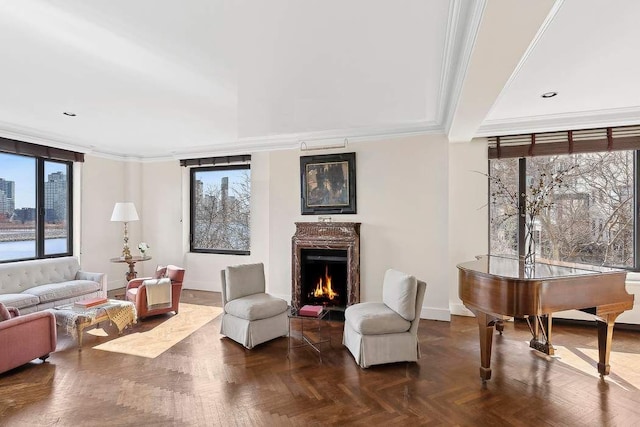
[
  {"x": 485, "y": 327},
  {"x": 605, "y": 335}
]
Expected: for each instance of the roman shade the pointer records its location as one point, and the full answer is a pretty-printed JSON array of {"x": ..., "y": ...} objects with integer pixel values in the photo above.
[
  {"x": 565, "y": 142},
  {"x": 217, "y": 161},
  {"x": 13, "y": 146}
]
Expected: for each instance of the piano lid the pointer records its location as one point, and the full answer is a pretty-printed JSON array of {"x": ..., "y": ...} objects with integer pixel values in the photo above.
[{"x": 513, "y": 268}]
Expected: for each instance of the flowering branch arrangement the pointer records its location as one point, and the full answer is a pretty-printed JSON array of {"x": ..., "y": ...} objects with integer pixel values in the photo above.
[
  {"x": 535, "y": 201},
  {"x": 538, "y": 197},
  {"x": 143, "y": 247}
]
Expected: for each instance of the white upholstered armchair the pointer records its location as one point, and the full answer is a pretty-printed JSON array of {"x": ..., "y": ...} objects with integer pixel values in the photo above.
[
  {"x": 386, "y": 332},
  {"x": 250, "y": 315}
]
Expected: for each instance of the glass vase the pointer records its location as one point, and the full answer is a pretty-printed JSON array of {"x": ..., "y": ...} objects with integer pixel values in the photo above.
[{"x": 529, "y": 250}]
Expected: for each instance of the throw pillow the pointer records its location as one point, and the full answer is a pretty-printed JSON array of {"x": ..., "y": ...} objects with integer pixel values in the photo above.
[
  {"x": 4, "y": 313},
  {"x": 243, "y": 280},
  {"x": 161, "y": 272},
  {"x": 399, "y": 293}
]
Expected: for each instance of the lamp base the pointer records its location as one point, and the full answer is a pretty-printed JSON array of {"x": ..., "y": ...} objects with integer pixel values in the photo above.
[{"x": 126, "y": 254}]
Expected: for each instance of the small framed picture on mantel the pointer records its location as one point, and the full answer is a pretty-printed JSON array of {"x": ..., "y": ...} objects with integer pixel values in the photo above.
[{"x": 328, "y": 184}]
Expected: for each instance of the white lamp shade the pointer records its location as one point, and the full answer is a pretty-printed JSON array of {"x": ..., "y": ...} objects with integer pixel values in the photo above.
[{"x": 124, "y": 212}]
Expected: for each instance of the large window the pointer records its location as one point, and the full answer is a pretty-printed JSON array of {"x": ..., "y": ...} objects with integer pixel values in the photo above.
[
  {"x": 35, "y": 203},
  {"x": 220, "y": 209},
  {"x": 588, "y": 215}
]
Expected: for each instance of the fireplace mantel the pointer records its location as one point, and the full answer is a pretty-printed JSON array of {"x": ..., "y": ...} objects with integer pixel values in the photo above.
[{"x": 327, "y": 235}]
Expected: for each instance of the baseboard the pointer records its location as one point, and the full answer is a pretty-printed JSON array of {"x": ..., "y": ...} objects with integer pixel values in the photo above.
[
  {"x": 458, "y": 309},
  {"x": 431, "y": 313},
  {"x": 200, "y": 286}
]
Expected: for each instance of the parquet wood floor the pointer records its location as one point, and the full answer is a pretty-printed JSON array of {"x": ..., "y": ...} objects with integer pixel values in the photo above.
[{"x": 206, "y": 380}]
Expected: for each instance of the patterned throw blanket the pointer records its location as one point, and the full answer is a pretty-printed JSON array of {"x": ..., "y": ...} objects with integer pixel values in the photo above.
[{"x": 120, "y": 313}]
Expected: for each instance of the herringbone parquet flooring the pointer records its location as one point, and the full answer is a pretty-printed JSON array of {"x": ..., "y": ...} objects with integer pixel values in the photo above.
[{"x": 206, "y": 380}]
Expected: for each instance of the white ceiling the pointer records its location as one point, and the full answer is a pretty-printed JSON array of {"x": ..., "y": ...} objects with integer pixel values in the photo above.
[{"x": 157, "y": 79}]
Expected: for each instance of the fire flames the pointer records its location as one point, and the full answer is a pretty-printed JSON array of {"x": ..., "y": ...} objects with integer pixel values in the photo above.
[{"x": 323, "y": 287}]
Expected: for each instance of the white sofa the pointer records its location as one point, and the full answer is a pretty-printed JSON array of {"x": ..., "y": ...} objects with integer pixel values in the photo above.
[{"x": 40, "y": 284}]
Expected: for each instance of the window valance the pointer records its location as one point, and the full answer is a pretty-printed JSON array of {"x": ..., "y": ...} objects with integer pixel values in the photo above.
[
  {"x": 13, "y": 146},
  {"x": 217, "y": 161},
  {"x": 565, "y": 142}
]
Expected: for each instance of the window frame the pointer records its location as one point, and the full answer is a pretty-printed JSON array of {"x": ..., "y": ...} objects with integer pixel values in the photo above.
[
  {"x": 41, "y": 211},
  {"x": 192, "y": 210},
  {"x": 522, "y": 188}
]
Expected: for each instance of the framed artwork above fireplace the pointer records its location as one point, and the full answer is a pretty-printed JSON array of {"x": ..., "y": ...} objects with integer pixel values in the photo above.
[{"x": 328, "y": 184}]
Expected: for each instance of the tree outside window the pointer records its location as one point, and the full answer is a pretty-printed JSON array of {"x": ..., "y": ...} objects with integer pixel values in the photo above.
[
  {"x": 589, "y": 218},
  {"x": 220, "y": 209}
]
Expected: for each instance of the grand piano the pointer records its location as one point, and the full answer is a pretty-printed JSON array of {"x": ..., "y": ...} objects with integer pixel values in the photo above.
[{"x": 497, "y": 288}]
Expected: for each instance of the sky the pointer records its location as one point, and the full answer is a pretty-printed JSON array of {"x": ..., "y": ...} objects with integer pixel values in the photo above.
[
  {"x": 214, "y": 179},
  {"x": 22, "y": 170}
]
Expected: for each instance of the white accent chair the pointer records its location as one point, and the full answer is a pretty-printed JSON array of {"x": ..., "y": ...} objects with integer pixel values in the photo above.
[
  {"x": 250, "y": 315},
  {"x": 386, "y": 332}
]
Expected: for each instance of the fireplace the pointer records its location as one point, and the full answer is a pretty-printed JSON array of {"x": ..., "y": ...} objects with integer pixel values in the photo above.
[
  {"x": 326, "y": 264},
  {"x": 324, "y": 276}
]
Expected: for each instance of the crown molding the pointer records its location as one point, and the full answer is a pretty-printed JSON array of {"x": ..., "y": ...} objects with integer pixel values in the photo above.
[
  {"x": 292, "y": 141},
  {"x": 457, "y": 55},
  {"x": 34, "y": 136},
  {"x": 560, "y": 122},
  {"x": 241, "y": 146},
  {"x": 449, "y": 57}
]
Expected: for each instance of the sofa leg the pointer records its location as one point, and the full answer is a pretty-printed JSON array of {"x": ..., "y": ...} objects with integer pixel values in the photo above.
[{"x": 44, "y": 358}]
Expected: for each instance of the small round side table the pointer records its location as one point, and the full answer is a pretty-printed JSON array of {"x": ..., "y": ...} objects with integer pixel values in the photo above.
[{"x": 132, "y": 273}]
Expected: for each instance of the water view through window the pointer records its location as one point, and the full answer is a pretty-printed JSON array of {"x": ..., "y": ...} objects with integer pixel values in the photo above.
[{"x": 20, "y": 204}]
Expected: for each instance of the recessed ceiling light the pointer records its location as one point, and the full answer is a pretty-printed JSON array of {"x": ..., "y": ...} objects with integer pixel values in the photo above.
[
  {"x": 549, "y": 94},
  {"x": 69, "y": 113}
]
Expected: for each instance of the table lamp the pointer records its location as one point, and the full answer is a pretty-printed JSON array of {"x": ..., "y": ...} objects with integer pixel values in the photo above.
[{"x": 125, "y": 212}]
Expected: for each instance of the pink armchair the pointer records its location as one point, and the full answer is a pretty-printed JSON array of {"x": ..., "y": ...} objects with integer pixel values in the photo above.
[
  {"x": 137, "y": 293},
  {"x": 24, "y": 338}
]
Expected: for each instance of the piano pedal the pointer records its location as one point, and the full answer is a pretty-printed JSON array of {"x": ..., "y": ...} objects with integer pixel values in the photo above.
[{"x": 542, "y": 347}]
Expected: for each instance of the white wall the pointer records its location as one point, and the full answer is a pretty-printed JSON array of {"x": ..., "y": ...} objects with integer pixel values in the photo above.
[
  {"x": 203, "y": 270},
  {"x": 402, "y": 204},
  {"x": 161, "y": 215},
  {"x": 468, "y": 211},
  {"x": 102, "y": 183},
  {"x": 402, "y": 195},
  {"x": 421, "y": 203}
]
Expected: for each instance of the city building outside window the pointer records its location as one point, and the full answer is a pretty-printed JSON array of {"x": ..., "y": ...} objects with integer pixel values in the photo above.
[
  {"x": 35, "y": 202},
  {"x": 220, "y": 209}
]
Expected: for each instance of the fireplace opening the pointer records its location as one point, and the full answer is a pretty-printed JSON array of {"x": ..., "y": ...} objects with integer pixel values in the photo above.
[{"x": 324, "y": 274}]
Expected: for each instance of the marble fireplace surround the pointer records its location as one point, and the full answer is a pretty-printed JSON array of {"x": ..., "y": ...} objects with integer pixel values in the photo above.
[{"x": 327, "y": 235}]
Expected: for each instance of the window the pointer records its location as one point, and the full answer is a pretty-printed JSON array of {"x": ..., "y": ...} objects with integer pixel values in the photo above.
[
  {"x": 220, "y": 209},
  {"x": 35, "y": 206},
  {"x": 589, "y": 216}
]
